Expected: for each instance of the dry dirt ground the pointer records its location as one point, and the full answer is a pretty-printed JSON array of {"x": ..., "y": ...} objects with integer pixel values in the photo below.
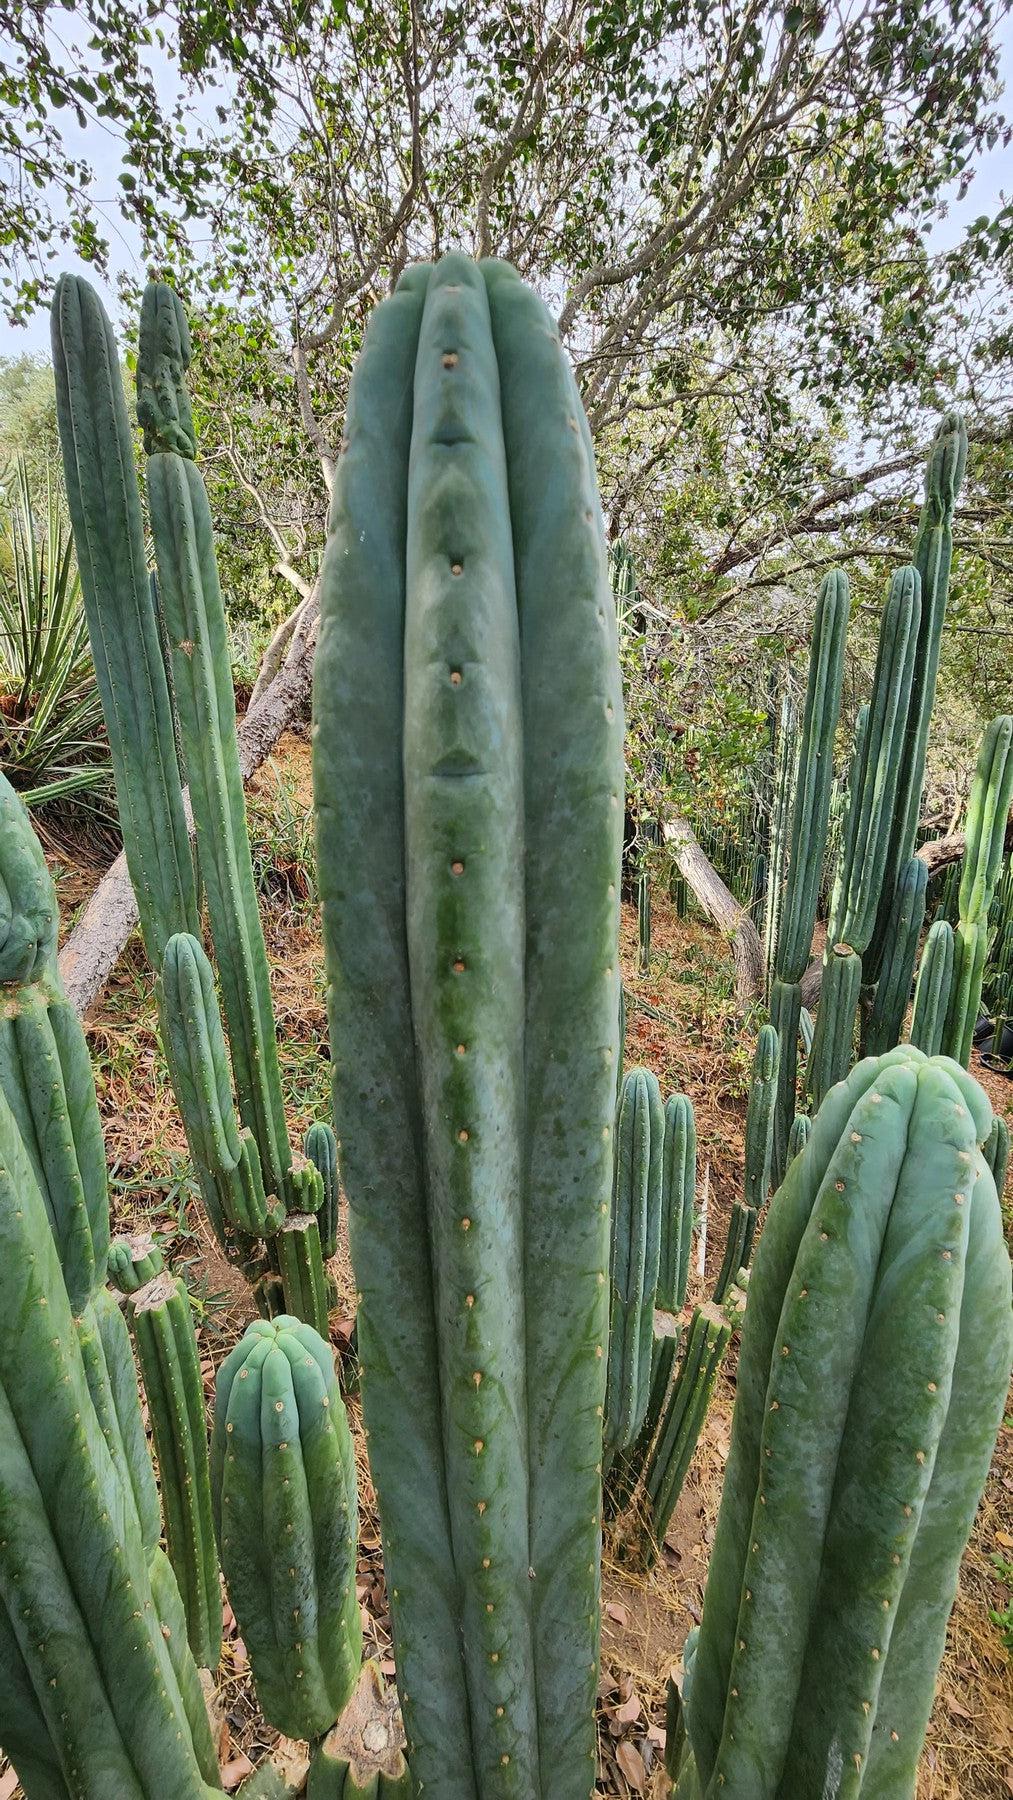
[{"x": 682, "y": 1024}]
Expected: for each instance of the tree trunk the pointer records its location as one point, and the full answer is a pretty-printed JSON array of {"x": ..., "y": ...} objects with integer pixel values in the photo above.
[
  {"x": 721, "y": 908},
  {"x": 97, "y": 940}
]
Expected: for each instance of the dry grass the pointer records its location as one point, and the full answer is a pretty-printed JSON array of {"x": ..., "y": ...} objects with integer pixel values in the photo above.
[{"x": 681, "y": 1023}]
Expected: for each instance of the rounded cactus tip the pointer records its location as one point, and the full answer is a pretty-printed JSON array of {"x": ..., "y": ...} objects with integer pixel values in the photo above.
[{"x": 29, "y": 918}]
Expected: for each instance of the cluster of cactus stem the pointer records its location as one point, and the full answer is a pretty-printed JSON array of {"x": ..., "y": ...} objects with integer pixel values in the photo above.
[
  {"x": 163, "y": 668},
  {"x": 881, "y": 1291},
  {"x": 501, "y": 1202},
  {"x": 878, "y": 901},
  {"x": 102, "y": 1634},
  {"x": 654, "y": 1409}
]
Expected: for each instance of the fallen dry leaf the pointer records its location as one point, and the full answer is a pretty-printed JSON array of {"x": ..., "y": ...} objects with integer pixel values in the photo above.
[{"x": 632, "y": 1765}]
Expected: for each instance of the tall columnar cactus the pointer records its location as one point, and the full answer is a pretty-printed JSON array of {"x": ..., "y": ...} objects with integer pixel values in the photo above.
[
  {"x": 987, "y": 817},
  {"x": 162, "y": 656},
  {"x": 79, "y": 1625},
  {"x": 903, "y": 934},
  {"x": 105, "y": 513},
  {"x": 809, "y": 817},
  {"x": 191, "y": 603},
  {"x": 932, "y": 556},
  {"x": 643, "y": 921},
  {"x": 763, "y": 1091},
  {"x": 161, "y": 1324},
  {"x": 467, "y": 695},
  {"x": 284, "y": 1491},
  {"x": 635, "y": 1259},
  {"x": 881, "y": 1293},
  {"x": 788, "y": 753},
  {"x": 932, "y": 989}
]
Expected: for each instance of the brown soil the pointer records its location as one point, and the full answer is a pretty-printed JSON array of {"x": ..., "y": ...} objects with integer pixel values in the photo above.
[{"x": 682, "y": 1023}]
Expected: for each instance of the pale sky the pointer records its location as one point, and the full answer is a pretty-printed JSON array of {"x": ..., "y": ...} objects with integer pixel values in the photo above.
[{"x": 102, "y": 151}]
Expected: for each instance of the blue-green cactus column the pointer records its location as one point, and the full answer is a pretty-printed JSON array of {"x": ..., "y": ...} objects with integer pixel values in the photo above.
[{"x": 467, "y": 760}]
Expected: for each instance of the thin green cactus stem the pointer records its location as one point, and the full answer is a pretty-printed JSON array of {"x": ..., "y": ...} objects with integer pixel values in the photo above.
[
  {"x": 785, "y": 1016},
  {"x": 191, "y": 603},
  {"x": 112, "y": 1382},
  {"x": 763, "y": 1089},
  {"x": 161, "y": 1324},
  {"x": 877, "y": 771},
  {"x": 811, "y": 807},
  {"x": 225, "y": 1158},
  {"x": 321, "y": 1148},
  {"x": 933, "y": 552},
  {"x": 637, "y": 1202},
  {"x": 995, "y": 1150},
  {"x": 740, "y": 1223},
  {"x": 987, "y": 818},
  {"x": 682, "y": 1421},
  {"x": 105, "y": 512},
  {"x": 300, "y": 1264},
  {"x": 906, "y": 916},
  {"x": 678, "y": 1199},
  {"x": 799, "y": 1135},
  {"x": 833, "y": 1047},
  {"x": 932, "y": 989}
]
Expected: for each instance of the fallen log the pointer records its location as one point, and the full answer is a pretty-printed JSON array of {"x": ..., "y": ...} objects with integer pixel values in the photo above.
[
  {"x": 98, "y": 939},
  {"x": 721, "y": 908}
]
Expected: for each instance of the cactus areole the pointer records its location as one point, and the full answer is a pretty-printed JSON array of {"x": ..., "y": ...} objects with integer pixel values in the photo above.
[{"x": 469, "y": 791}]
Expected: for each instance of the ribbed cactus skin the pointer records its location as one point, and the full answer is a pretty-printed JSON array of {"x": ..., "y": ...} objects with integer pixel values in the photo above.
[
  {"x": 636, "y": 1251},
  {"x": 514, "y": 652},
  {"x": 74, "y": 1578},
  {"x": 45, "y": 1070},
  {"x": 877, "y": 774},
  {"x": 780, "y": 823},
  {"x": 881, "y": 1290},
  {"x": 29, "y": 916},
  {"x": 644, "y": 922},
  {"x": 995, "y": 1150},
  {"x": 932, "y": 989},
  {"x": 987, "y": 814},
  {"x": 811, "y": 808},
  {"x": 300, "y": 1264},
  {"x": 785, "y": 1016},
  {"x": 678, "y": 1200},
  {"x": 681, "y": 1423},
  {"x": 763, "y": 1090},
  {"x": 322, "y": 1149},
  {"x": 172, "y": 1621},
  {"x": 734, "y": 1251},
  {"x": 833, "y": 1046},
  {"x": 161, "y": 1325},
  {"x": 112, "y": 1382},
  {"x": 194, "y": 616},
  {"x": 798, "y": 1137},
  {"x": 933, "y": 552},
  {"x": 334, "y": 1778},
  {"x": 23, "y": 1730},
  {"x": 904, "y": 926},
  {"x": 225, "y": 1158},
  {"x": 105, "y": 512},
  {"x": 284, "y": 1485}
]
